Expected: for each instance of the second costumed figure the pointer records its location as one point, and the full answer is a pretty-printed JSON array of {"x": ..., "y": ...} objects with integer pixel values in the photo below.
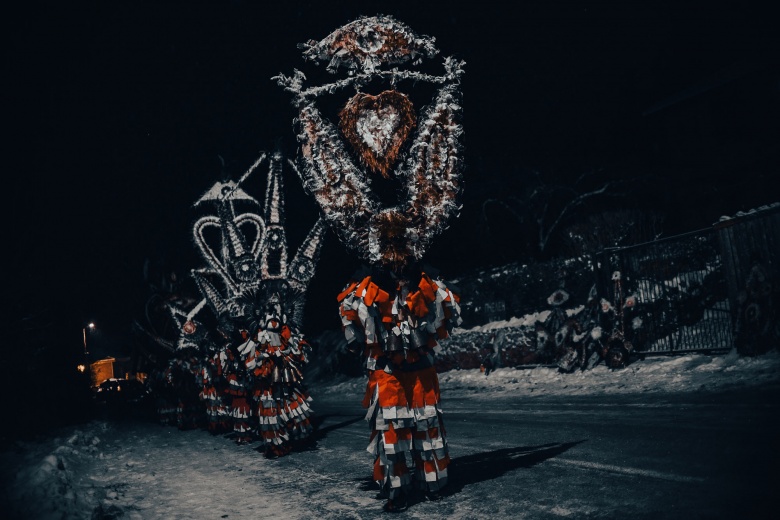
[
  {"x": 394, "y": 312},
  {"x": 248, "y": 363}
]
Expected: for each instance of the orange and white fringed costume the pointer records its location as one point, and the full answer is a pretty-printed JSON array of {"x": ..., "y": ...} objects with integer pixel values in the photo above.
[
  {"x": 275, "y": 358},
  {"x": 236, "y": 388},
  {"x": 213, "y": 393},
  {"x": 420, "y": 147},
  {"x": 400, "y": 329},
  {"x": 250, "y": 354}
]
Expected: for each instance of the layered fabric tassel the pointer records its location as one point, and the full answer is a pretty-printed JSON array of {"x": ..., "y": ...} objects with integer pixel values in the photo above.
[{"x": 400, "y": 337}]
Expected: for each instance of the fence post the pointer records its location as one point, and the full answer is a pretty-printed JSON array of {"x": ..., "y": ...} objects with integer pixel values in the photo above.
[{"x": 750, "y": 245}]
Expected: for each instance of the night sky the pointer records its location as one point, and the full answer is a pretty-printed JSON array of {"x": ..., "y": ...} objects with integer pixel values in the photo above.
[{"x": 120, "y": 111}]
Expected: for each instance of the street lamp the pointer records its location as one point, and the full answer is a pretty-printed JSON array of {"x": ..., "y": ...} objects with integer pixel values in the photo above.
[
  {"x": 83, "y": 367},
  {"x": 90, "y": 326}
]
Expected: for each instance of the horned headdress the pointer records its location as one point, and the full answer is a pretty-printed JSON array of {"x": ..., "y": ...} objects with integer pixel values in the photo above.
[
  {"x": 384, "y": 134},
  {"x": 246, "y": 255}
]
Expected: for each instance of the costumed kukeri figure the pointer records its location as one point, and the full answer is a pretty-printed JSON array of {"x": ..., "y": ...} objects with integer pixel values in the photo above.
[
  {"x": 396, "y": 312},
  {"x": 252, "y": 374},
  {"x": 177, "y": 386}
]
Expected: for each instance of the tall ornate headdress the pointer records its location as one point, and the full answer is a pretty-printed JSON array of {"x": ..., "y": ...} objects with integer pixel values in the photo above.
[
  {"x": 246, "y": 254},
  {"x": 386, "y": 134}
]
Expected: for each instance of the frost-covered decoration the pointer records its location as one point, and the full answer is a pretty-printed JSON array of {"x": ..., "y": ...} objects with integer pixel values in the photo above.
[
  {"x": 757, "y": 326},
  {"x": 251, "y": 250},
  {"x": 244, "y": 370},
  {"x": 368, "y": 43},
  {"x": 377, "y": 127},
  {"x": 193, "y": 333},
  {"x": 595, "y": 332},
  {"x": 557, "y": 298},
  {"x": 381, "y": 133},
  {"x": 274, "y": 254},
  {"x": 617, "y": 348}
]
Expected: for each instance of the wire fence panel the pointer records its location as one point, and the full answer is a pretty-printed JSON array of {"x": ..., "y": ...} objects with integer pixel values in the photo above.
[
  {"x": 711, "y": 289},
  {"x": 708, "y": 290},
  {"x": 679, "y": 289}
]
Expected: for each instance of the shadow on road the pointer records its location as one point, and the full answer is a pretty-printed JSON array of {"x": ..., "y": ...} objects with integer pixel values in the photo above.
[
  {"x": 321, "y": 433},
  {"x": 310, "y": 442},
  {"x": 479, "y": 467}
]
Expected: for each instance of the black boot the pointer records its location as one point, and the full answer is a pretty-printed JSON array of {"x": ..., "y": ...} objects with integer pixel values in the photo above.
[
  {"x": 396, "y": 504},
  {"x": 433, "y": 495}
]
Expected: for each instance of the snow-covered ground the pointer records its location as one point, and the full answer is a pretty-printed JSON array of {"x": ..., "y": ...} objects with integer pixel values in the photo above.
[
  {"x": 84, "y": 472},
  {"x": 693, "y": 372}
]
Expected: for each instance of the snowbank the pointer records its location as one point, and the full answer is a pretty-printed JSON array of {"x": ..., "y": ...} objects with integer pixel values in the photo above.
[
  {"x": 40, "y": 478},
  {"x": 692, "y": 372}
]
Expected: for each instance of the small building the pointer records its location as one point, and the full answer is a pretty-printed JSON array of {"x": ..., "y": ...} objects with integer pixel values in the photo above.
[
  {"x": 102, "y": 370},
  {"x": 109, "y": 367}
]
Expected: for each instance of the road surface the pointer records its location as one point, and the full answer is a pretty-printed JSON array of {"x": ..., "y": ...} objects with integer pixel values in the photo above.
[
  {"x": 648, "y": 456},
  {"x": 691, "y": 455}
]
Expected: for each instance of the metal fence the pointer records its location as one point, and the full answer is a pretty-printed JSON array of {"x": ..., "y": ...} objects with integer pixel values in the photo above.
[
  {"x": 691, "y": 290},
  {"x": 750, "y": 251}
]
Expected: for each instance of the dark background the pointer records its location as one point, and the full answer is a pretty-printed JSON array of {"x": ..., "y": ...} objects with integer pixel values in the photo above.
[{"x": 119, "y": 112}]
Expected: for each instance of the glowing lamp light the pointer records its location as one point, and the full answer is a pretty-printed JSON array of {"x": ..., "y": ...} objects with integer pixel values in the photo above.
[
  {"x": 90, "y": 326},
  {"x": 81, "y": 368}
]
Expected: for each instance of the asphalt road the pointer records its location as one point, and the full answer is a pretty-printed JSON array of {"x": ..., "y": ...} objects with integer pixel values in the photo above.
[{"x": 693, "y": 455}]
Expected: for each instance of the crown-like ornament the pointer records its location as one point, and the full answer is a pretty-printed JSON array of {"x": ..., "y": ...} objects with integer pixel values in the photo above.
[{"x": 247, "y": 271}]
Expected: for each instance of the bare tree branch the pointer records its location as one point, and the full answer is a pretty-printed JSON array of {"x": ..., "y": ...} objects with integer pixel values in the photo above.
[
  {"x": 577, "y": 201},
  {"x": 501, "y": 203}
]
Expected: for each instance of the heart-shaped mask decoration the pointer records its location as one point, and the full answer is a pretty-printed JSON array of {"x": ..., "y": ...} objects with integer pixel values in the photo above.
[{"x": 377, "y": 127}]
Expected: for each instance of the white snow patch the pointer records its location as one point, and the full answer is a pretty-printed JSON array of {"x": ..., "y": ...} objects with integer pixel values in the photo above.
[{"x": 691, "y": 372}]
